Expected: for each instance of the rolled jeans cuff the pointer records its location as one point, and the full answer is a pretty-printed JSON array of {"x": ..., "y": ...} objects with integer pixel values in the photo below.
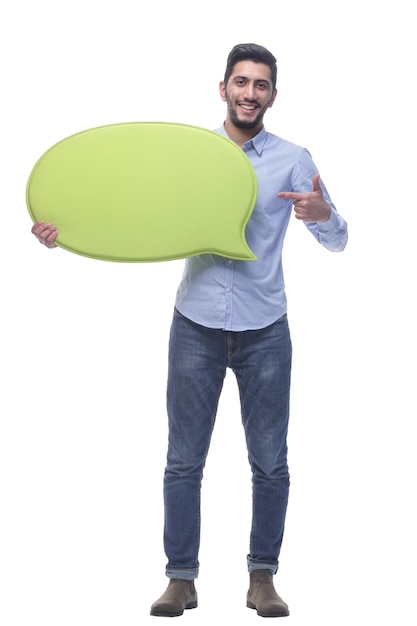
[
  {"x": 182, "y": 574},
  {"x": 257, "y": 565}
]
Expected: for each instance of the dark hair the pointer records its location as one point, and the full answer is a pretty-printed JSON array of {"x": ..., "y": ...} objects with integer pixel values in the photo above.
[{"x": 251, "y": 52}]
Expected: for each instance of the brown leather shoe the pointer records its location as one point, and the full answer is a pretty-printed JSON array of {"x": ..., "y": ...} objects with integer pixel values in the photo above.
[
  {"x": 179, "y": 595},
  {"x": 263, "y": 597}
]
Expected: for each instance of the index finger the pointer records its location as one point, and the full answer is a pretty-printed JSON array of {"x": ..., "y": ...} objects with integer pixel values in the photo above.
[{"x": 291, "y": 195}]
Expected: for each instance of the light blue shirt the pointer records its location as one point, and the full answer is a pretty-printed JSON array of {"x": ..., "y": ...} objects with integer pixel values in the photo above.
[{"x": 217, "y": 292}]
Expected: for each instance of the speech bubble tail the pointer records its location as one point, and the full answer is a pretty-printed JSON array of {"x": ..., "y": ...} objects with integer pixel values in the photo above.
[
  {"x": 244, "y": 255},
  {"x": 241, "y": 252}
]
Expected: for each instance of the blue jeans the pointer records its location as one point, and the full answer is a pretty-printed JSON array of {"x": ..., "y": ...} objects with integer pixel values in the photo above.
[{"x": 198, "y": 359}]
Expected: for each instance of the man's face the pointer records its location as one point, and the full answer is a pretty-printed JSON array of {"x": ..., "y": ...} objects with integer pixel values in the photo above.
[{"x": 248, "y": 94}]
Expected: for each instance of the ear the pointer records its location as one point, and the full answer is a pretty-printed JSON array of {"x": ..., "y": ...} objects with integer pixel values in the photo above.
[
  {"x": 222, "y": 90},
  {"x": 272, "y": 100}
]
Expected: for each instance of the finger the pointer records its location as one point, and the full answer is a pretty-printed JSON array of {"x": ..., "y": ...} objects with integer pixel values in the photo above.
[
  {"x": 291, "y": 195},
  {"x": 299, "y": 214},
  {"x": 50, "y": 237},
  {"x": 48, "y": 231},
  {"x": 316, "y": 183}
]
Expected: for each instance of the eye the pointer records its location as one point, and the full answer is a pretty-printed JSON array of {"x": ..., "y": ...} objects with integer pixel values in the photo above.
[{"x": 262, "y": 85}]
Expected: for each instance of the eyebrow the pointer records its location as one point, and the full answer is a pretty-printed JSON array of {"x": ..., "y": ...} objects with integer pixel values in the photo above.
[{"x": 256, "y": 80}]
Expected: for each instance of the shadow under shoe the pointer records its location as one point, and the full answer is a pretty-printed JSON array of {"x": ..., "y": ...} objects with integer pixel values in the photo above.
[
  {"x": 179, "y": 595},
  {"x": 263, "y": 597}
]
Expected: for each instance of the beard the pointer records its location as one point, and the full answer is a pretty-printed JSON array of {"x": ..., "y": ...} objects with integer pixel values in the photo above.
[{"x": 244, "y": 123}]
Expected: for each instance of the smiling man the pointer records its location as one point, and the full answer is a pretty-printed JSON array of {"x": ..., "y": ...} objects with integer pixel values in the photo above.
[{"x": 233, "y": 314}]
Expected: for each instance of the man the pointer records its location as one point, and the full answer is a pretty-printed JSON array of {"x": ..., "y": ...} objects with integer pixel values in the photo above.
[{"x": 233, "y": 314}]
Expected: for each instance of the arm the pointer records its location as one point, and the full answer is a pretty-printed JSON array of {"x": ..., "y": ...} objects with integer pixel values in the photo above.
[
  {"x": 320, "y": 217},
  {"x": 45, "y": 233}
]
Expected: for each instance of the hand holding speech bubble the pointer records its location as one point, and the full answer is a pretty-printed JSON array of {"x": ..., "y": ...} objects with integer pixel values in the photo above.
[{"x": 145, "y": 191}]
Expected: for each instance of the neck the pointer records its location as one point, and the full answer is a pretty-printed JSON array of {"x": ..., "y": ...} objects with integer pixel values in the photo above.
[{"x": 240, "y": 135}]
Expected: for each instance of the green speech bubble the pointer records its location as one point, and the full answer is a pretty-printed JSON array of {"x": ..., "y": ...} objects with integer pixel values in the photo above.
[{"x": 145, "y": 191}]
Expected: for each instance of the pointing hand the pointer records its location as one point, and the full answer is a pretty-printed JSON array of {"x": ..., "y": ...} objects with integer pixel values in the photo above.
[{"x": 309, "y": 206}]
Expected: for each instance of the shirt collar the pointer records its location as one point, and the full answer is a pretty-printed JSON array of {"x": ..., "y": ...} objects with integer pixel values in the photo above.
[{"x": 257, "y": 142}]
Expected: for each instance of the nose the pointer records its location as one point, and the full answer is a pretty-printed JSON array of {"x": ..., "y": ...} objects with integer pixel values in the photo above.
[{"x": 249, "y": 91}]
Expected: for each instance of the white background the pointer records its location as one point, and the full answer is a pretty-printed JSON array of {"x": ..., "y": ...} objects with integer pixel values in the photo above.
[{"x": 84, "y": 342}]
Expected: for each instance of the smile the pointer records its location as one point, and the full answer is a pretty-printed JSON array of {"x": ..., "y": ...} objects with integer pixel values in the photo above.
[{"x": 248, "y": 107}]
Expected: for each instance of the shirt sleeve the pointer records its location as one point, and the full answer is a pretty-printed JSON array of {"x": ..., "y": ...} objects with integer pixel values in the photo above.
[{"x": 333, "y": 233}]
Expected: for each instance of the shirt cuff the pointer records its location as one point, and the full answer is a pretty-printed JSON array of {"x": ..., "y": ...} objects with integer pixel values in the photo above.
[{"x": 329, "y": 224}]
